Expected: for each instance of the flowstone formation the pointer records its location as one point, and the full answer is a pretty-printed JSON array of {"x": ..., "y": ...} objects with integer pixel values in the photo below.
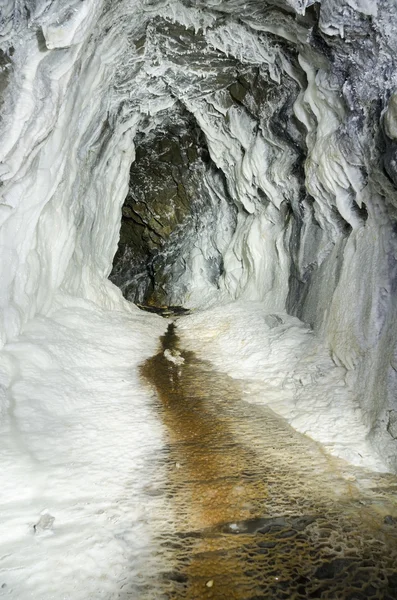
[{"x": 294, "y": 103}]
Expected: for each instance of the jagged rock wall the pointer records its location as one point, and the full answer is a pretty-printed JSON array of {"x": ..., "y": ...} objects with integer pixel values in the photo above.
[
  {"x": 171, "y": 202},
  {"x": 296, "y": 101}
]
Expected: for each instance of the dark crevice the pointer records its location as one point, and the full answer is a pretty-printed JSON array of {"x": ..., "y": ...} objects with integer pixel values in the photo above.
[{"x": 162, "y": 213}]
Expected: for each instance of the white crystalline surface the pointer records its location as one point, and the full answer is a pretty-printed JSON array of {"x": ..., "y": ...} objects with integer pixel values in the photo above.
[
  {"x": 79, "y": 440},
  {"x": 289, "y": 370},
  {"x": 79, "y": 436},
  {"x": 174, "y": 357}
]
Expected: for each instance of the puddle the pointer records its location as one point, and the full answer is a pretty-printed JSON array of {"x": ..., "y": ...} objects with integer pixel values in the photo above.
[{"x": 261, "y": 512}]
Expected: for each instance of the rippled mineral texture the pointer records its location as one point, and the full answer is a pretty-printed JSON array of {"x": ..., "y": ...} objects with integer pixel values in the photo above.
[{"x": 233, "y": 158}]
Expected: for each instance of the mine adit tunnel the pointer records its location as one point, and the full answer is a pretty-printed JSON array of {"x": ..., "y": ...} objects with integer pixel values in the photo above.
[{"x": 232, "y": 165}]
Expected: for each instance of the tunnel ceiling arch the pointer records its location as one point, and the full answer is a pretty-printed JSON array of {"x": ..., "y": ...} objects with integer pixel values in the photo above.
[{"x": 282, "y": 101}]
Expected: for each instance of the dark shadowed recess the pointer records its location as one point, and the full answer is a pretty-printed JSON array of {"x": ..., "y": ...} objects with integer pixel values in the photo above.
[{"x": 162, "y": 206}]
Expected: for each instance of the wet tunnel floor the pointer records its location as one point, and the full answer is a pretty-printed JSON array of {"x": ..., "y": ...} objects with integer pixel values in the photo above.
[{"x": 261, "y": 512}]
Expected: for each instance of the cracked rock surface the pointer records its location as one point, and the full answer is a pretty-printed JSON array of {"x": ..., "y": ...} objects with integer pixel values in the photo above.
[{"x": 166, "y": 202}]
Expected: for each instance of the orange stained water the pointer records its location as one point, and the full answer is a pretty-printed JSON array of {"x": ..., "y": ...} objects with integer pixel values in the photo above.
[{"x": 260, "y": 511}]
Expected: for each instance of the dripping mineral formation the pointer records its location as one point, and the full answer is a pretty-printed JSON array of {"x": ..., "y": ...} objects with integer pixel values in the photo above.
[{"x": 236, "y": 159}]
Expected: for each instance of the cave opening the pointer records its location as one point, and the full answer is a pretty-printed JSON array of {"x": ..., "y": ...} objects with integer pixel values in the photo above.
[{"x": 170, "y": 202}]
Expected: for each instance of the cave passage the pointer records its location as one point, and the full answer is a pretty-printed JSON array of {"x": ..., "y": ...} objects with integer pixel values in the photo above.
[
  {"x": 167, "y": 205},
  {"x": 232, "y": 166},
  {"x": 260, "y": 510}
]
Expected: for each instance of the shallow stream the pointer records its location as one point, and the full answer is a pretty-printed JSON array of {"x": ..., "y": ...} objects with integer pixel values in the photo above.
[{"x": 261, "y": 511}]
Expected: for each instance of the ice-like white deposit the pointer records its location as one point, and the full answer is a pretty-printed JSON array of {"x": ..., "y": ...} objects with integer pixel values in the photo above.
[
  {"x": 297, "y": 103},
  {"x": 289, "y": 370},
  {"x": 80, "y": 443}
]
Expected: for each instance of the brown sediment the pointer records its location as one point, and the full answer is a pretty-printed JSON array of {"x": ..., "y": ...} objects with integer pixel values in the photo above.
[{"x": 261, "y": 512}]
